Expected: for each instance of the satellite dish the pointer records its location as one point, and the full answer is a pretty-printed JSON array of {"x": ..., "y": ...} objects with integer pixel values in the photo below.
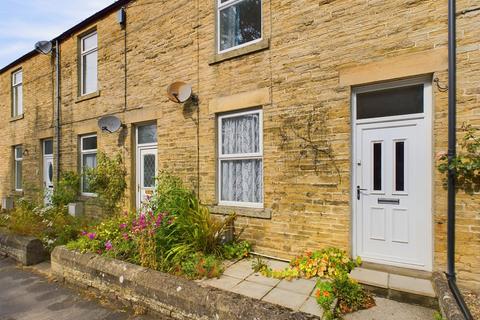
[
  {"x": 44, "y": 47},
  {"x": 109, "y": 123},
  {"x": 179, "y": 91}
]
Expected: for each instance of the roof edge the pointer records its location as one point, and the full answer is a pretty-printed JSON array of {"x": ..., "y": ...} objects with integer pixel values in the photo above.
[{"x": 96, "y": 16}]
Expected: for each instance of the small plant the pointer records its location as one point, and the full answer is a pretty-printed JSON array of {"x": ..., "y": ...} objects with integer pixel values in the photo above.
[
  {"x": 467, "y": 162},
  {"x": 200, "y": 266},
  {"x": 325, "y": 297},
  {"x": 259, "y": 265},
  {"x": 236, "y": 250},
  {"x": 107, "y": 180},
  {"x": 438, "y": 316},
  {"x": 66, "y": 189}
]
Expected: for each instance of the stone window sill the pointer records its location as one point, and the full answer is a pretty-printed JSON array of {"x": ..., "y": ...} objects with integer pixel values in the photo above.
[
  {"x": 256, "y": 47},
  {"x": 88, "y": 96},
  {"x": 242, "y": 211},
  {"x": 12, "y": 119}
]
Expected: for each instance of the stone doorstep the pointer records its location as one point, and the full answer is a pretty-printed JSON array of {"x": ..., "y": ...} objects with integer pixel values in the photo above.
[{"x": 397, "y": 287}]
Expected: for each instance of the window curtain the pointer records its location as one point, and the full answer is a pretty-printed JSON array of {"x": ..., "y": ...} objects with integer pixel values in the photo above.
[{"x": 241, "y": 179}]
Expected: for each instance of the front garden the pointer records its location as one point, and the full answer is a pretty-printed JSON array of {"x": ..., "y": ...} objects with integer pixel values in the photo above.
[{"x": 173, "y": 233}]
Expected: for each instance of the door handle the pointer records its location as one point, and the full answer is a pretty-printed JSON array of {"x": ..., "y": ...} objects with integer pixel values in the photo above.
[{"x": 358, "y": 192}]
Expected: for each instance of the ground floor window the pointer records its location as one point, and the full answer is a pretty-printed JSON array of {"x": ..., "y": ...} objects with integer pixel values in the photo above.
[
  {"x": 18, "y": 156},
  {"x": 240, "y": 159},
  {"x": 88, "y": 159}
]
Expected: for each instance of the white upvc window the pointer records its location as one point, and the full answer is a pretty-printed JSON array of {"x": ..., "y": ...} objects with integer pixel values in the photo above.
[
  {"x": 240, "y": 159},
  {"x": 88, "y": 160},
  {"x": 17, "y": 93},
  {"x": 88, "y": 63},
  {"x": 18, "y": 156},
  {"x": 239, "y": 23}
]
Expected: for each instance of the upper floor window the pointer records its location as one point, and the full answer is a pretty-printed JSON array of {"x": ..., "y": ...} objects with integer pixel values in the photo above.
[
  {"x": 88, "y": 160},
  {"x": 88, "y": 63},
  {"x": 17, "y": 93},
  {"x": 18, "y": 156},
  {"x": 239, "y": 23},
  {"x": 240, "y": 158}
]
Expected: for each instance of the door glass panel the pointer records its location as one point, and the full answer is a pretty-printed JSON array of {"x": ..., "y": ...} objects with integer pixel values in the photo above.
[
  {"x": 147, "y": 134},
  {"x": 50, "y": 172},
  {"x": 48, "y": 147},
  {"x": 390, "y": 102},
  {"x": 149, "y": 170},
  {"x": 18, "y": 175},
  {"x": 377, "y": 166},
  {"x": 400, "y": 166}
]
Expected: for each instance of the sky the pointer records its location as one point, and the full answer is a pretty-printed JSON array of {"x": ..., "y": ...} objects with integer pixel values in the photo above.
[{"x": 24, "y": 22}]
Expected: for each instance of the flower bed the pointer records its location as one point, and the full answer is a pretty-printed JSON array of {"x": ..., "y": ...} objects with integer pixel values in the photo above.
[{"x": 172, "y": 232}]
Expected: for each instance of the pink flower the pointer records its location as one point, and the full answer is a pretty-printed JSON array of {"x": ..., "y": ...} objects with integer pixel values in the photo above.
[
  {"x": 99, "y": 251},
  {"x": 108, "y": 245},
  {"x": 125, "y": 236},
  {"x": 91, "y": 235},
  {"x": 84, "y": 233},
  {"x": 123, "y": 226}
]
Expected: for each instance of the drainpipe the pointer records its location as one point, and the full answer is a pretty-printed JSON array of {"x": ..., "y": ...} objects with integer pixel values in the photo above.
[
  {"x": 57, "y": 109},
  {"x": 452, "y": 141}
]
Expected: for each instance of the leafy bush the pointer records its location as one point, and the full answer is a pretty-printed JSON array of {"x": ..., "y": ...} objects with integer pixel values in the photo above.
[
  {"x": 199, "y": 266},
  {"x": 107, "y": 180},
  {"x": 236, "y": 250},
  {"x": 53, "y": 225},
  {"x": 467, "y": 162},
  {"x": 66, "y": 189}
]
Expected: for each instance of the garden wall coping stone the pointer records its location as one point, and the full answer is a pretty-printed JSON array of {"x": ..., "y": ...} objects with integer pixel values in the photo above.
[
  {"x": 160, "y": 292},
  {"x": 446, "y": 300},
  {"x": 26, "y": 250}
]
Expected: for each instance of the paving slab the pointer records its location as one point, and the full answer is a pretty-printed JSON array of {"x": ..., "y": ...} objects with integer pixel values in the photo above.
[
  {"x": 301, "y": 286},
  {"x": 259, "y": 278},
  {"x": 224, "y": 282},
  {"x": 277, "y": 265},
  {"x": 252, "y": 289},
  {"x": 311, "y": 306},
  {"x": 392, "y": 310},
  {"x": 412, "y": 285},
  {"x": 286, "y": 298},
  {"x": 370, "y": 277},
  {"x": 240, "y": 270}
]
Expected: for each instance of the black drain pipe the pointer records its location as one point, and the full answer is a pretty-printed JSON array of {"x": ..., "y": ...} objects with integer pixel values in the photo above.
[{"x": 452, "y": 142}]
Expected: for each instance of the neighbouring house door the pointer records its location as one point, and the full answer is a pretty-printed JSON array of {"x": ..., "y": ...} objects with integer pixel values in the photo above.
[
  {"x": 392, "y": 165},
  {"x": 47, "y": 171},
  {"x": 146, "y": 168}
]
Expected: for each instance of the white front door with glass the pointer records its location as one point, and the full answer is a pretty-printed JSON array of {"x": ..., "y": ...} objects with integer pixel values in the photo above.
[
  {"x": 392, "y": 166},
  {"x": 146, "y": 162},
  {"x": 47, "y": 171}
]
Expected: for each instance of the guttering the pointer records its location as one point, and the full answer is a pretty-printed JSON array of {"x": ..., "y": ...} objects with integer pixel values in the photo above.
[{"x": 452, "y": 141}]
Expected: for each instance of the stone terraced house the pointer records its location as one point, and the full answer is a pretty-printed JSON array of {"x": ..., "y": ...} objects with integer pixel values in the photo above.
[{"x": 318, "y": 121}]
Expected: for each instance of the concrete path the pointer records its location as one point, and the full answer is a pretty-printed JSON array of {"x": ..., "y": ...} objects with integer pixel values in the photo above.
[{"x": 25, "y": 295}]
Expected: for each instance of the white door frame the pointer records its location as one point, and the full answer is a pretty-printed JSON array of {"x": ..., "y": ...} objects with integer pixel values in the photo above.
[
  {"x": 428, "y": 117},
  {"x": 138, "y": 148}
]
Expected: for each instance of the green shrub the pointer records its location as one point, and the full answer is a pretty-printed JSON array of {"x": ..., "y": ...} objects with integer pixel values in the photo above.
[
  {"x": 67, "y": 189},
  {"x": 107, "y": 180},
  {"x": 199, "y": 265},
  {"x": 236, "y": 250}
]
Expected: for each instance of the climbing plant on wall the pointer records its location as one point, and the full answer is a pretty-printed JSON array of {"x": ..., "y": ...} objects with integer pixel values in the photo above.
[
  {"x": 306, "y": 135},
  {"x": 467, "y": 162}
]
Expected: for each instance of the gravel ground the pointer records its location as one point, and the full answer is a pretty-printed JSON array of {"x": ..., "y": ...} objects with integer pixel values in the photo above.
[{"x": 473, "y": 302}]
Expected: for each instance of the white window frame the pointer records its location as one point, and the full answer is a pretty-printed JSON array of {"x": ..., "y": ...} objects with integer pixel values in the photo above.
[
  {"x": 17, "y": 109},
  {"x": 84, "y": 53},
  {"x": 244, "y": 156},
  {"x": 220, "y": 7},
  {"x": 18, "y": 159},
  {"x": 82, "y": 153}
]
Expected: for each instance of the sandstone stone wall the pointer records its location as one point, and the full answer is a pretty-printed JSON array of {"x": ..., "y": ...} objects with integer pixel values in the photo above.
[{"x": 297, "y": 68}]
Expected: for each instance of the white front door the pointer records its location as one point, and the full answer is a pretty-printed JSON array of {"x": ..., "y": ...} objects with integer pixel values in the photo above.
[
  {"x": 147, "y": 170},
  {"x": 146, "y": 159},
  {"x": 392, "y": 167},
  {"x": 47, "y": 171}
]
